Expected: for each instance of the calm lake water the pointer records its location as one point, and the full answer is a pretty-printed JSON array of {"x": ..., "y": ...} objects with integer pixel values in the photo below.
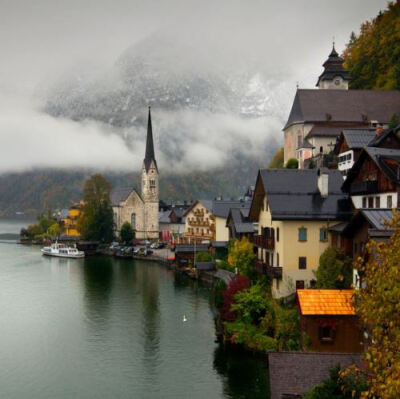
[{"x": 107, "y": 328}]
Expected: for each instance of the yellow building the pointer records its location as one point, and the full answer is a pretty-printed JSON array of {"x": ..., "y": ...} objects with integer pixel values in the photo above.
[
  {"x": 69, "y": 219},
  {"x": 294, "y": 210}
]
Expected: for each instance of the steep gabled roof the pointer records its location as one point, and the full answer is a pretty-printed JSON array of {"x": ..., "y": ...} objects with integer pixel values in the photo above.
[
  {"x": 119, "y": 195},
  {"x": 381, "y": 157},
  {"x": 356, "y": 106},
  {"x": 326, "y": 302},
  {"x": 378, "y": 139},
  {"x": 149, "y": 155},
  {"x": 293, "y": 194},
  {"x": 240, "y": 220},
  {"x": 358, "y": 138}
]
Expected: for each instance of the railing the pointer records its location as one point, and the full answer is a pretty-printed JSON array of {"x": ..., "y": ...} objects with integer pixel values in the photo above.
[
  {"x": 364, "y": 187},
  {"x": 263, "y": 242},
  {"x": 204, "y": 223},
  {"x": 271, "y": 271}
]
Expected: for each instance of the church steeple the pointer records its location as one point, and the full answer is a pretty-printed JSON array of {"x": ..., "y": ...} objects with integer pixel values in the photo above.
[
  {"x": 335, "y": 76},
  {"x": 149, "y": 155}
]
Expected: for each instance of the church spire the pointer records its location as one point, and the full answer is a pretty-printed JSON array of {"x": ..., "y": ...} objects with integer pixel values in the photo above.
[{"x": 149, "y": 155}]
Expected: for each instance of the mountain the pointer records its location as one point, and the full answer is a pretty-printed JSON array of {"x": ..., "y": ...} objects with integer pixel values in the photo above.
[{"x": 215, "y": 122}]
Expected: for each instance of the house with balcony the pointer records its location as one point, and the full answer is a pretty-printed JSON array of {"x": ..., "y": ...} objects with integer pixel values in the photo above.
[
  {"x": 239, "y": 224},
  {"x": 351, "y": 142},
  {"x": 294, "y": 210},
  {"x": 206, "y": 219},
  {"x": 374, "y": 179}
]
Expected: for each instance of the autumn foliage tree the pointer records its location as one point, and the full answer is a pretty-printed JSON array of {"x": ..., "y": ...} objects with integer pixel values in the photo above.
[
  {"x": 378, "y": 305},
  {"x": 373, "y": 57},
  {"x": 96, "y": 222},
  {"x": 237, "y": 284},
  {"x": 241, "y": 256}
]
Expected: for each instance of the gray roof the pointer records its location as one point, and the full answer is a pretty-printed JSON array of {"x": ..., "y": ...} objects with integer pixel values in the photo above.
[
  {"x": 295, "y": 373},
  {"x": 64, "y": 213},
  {"x": 191, "y": 248},
  {"x": 339, "y": 227},
  {"x": 359, "y": 106},
  {"x": 120, "y": 194},
  {"x": 378, "y": 217},
  {"x": 293, "y": 194},
  {"x": 324, "y": 131},
  {"x": 221, "y": 208},
  {"x": 240, "y": 220},
  {"x": 163, "y": 217},
  {"x": 358, "y": 138}
]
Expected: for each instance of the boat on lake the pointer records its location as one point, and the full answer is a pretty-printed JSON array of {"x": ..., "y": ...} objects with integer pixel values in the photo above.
[{"x": 62, "y": 251}]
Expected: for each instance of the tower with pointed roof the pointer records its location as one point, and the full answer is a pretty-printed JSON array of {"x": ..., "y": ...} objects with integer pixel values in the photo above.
[
  {"x": 334, "y": 76},
  {"x": 150, "y": 192}
]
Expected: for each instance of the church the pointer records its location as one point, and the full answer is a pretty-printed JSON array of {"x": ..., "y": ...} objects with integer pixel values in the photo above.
[
  {"x": 319, "y": 115},
  {"x": 140, "y": 209}
]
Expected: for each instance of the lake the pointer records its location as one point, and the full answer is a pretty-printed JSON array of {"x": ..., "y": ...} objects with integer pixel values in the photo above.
[{"x": 101, "y": 327}]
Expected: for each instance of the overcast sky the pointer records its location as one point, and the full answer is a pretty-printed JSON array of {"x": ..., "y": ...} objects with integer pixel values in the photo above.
[{"x": 40, "y": 40}]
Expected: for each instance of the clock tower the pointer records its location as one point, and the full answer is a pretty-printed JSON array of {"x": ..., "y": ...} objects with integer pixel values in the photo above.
[
  {"x": 150, "y": 192},
  {"x": 335, "y": 76}
]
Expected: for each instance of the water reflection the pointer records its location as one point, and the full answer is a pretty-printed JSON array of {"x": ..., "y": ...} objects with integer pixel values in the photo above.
[
  {"x": 244, "y": 376},
  {"x": 98, "y": 275},
  {"x": 150, "y": 318}
]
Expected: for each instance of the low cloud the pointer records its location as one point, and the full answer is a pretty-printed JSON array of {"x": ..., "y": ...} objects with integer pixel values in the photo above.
[{"x": 184, "y": 140}]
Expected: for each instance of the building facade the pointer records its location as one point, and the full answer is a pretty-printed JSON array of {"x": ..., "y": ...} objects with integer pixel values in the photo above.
[
  {"x": 294, "y": 210},
  {"x": 140, "y": 210}
]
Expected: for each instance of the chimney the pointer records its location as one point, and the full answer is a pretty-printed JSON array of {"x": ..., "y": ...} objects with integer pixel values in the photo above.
[
  {"x": 323, "y": 183},
  {"x": 379, "y": 130}
]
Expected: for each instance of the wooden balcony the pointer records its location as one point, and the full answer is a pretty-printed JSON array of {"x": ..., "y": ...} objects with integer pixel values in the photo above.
[
  {"x": 263, "y": 242},
  {"x": 198, "y": 223},
  {"x": 364, "y": 187},
  {"x": 273, "y": 272}
]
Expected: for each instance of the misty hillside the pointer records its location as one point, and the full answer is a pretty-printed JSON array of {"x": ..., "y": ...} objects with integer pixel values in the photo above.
[{"x": 214, "y": 125}]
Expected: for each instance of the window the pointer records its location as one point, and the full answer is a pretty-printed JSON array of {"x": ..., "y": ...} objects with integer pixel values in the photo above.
[
  {"x": 389, "y": 202},
  {"x": 302, "y": 234},
  {"x": 302, "y": 262},
  {"x": 377, "y": 202},
  {"x": 370, "y": 202},
  {"x": 152, "y": 183},
  {"x": 272, "y": 259},
  {"x": 364, "y": 202},
  {"x": 277, "y": 234},
  {"x": 277, "y": 259},
  {"x": 323, "y": 234},
  {"x": 326, "y": 333},
  {"x": 133, "y": 220},
  {"x": 299, "y": 284},
  {"x": 321, "y": 149}
]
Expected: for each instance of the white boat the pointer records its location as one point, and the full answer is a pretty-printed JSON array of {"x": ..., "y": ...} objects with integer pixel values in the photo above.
[{"x": 62, "y": 251}]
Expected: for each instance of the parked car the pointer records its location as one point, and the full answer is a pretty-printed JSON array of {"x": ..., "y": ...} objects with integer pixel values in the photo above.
[{"x": 143, "y": 252}]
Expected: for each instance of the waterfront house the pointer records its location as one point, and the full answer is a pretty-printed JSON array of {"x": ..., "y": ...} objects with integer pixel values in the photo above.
[
  {"x": 69, "y": 219},
  {"x": 171, "y": 224},
  {"x": 329, "y": 320},
  {"x": 318, "y": 116},
  {"x": 207, "y": 219},
  {"x": 294, "y": 210}
]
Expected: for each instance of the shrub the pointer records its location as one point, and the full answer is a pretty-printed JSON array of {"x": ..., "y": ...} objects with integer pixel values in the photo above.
[
  {"x": 292, "y": 163},
  {"x": 237, "y": 284},
  {"x": 203, "y": 257},
  {"x": 127, "y": 233}
]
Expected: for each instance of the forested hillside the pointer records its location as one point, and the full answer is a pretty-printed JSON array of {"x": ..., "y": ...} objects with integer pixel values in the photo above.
[{"x": 373, "y": 56}]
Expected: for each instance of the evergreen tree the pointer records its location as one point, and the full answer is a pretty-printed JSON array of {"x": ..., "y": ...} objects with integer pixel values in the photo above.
[
  {"x": 127, "y": 233},
  {"x": 277, "y": 160}
]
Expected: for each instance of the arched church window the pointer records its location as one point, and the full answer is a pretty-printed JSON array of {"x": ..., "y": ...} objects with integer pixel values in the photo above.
[
  {"x": 321, "y": 149},
  {"x": 133, "y": 220}
]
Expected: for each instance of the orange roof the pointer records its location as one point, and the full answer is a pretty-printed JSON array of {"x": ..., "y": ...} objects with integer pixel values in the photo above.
[{"x": 326, "y": 302}]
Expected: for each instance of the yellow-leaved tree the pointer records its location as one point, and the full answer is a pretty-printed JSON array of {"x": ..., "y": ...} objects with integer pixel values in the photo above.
[
  {"x": 241, "y": 256},
  {"x": 378, "y": 305}
]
